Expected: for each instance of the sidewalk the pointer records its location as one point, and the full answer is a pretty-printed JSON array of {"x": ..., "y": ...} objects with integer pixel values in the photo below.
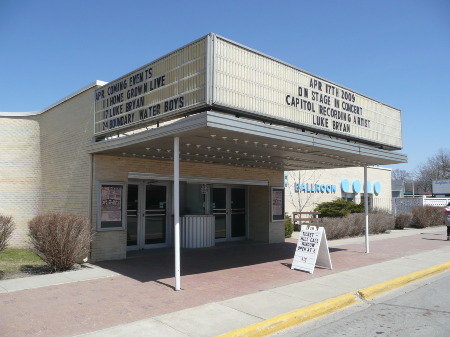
[{"x": 224, "y": 288}]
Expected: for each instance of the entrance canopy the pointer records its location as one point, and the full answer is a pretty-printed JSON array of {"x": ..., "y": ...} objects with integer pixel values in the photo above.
[
  {"x": 219, "y": 138},
  {"x": 232, "y": 105}
]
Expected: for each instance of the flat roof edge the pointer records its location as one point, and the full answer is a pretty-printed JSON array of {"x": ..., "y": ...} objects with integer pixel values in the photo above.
[
  {"x": 38, "y": 112},
  {"x": 186, "y": 124}
]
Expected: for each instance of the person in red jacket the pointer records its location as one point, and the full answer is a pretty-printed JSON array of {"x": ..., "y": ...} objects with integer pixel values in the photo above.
[{"x": 447, "y": 220}]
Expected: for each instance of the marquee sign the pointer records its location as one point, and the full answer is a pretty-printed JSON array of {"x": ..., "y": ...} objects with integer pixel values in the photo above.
[
  {"x": 221, "y": 74},
  {"x": 250, "y": 81},
  {"x": 171, "y": 84}
]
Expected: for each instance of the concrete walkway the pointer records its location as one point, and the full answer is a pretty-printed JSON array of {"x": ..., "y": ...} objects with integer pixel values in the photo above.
[{"x": 224, "y": 288}]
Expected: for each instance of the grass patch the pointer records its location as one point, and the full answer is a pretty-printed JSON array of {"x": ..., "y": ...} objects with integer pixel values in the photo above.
[{"x": 20, "y": 261}]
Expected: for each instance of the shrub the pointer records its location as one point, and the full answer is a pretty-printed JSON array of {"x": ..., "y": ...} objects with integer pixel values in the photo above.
[
  {"x": 354, "y": 224},
  {"x": 338, "y": 208},
  {"x": 381, "y": 222},
  {"x": 427, "y": 216},
  {"x": 62, "y": 239},
  {"x": 402, "y": 220},
  {"x": 288, "y": 226},
  {"x": 6, "y": 229}
]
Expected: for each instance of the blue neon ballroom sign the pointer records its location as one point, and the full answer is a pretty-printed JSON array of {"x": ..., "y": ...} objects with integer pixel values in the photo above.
[
  {"x": 356, "y": 187},
  {"x": 314, "y": 188}
]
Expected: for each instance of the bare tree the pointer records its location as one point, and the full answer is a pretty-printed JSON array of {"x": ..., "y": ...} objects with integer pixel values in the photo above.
[
  {"x": 407, "y": 178},
  {"x": 436, "y": 167},
  {"x": 400, "y": 175},
  {"x": 294, "y": 197}
]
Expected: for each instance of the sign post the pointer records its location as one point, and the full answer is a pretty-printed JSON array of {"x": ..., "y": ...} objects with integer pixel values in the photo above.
[{"x": 312, "y": 249}]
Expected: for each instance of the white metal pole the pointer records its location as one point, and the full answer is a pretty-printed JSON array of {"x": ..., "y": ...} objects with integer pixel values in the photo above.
[
  {"x": 176, "y": 208},
  {"x": 366, "y": 208}
]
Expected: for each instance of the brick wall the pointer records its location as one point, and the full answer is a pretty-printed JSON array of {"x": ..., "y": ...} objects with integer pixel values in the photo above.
[
  {"x": 20, "y": 174},
  {"x": 112, "y": 244},
  {"x": 66, "y": 131},
  {"x": 44, "y": 163},
  {"x": 46, "y": 168},
  {"x": 259, "y": 212}
]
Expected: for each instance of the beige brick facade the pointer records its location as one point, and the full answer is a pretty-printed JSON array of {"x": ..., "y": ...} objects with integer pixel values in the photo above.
[
  {"x": 20, "y": 173},
  {"x": 44, "y": 163},
  {"x": 259, "y": 209},
  {"x": 112, "y": 244},
  {"x": 46, "y": 168},
  {"x": 66, "y": 131}
]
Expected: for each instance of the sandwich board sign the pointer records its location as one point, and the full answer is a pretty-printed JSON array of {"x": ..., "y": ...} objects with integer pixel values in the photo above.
[{"x": 312, "y": 249}]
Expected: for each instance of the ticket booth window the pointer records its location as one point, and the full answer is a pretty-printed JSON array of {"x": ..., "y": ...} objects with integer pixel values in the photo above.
[{"x": 193, "y": 199}]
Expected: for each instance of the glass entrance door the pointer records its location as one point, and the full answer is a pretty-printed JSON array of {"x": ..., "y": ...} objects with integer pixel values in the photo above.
[
  {"x": 155, "y": 214},
  {"x": 238, "y": 213},
  {"x": 147, "y": 215},
  {"x": 132, "y": 216},
  {"x": 228, "y": 205},
  {"x": 219, "y": 210}
]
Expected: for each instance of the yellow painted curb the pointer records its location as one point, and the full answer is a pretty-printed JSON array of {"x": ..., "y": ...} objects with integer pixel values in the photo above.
[
  {"x": 378, "y": 289},
  {"x": 302, "y": 315},
  {"x": 295, "y": 317}
]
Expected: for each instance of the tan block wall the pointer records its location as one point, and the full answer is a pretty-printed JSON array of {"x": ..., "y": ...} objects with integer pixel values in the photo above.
[
  {"x": 259, "y": 212},
  {"x": 45, "y": 167},
  {"x": 20, "y": 174},
  {"x": 44, "y": 163},
  {"x": 260, "y": 226},
  {"x": 109, "y": 245},
  {"x": 276, "y": 232},
  {"x": 66, "y": 131},
  {"x": 112, "y": 168},
  {"x": 302, "y": 201}
]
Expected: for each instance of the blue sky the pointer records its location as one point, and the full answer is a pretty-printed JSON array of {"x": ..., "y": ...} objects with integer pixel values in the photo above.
[{"x": 397, "y": 52}]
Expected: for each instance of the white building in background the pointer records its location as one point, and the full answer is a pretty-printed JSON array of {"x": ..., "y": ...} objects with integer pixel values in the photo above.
[{"x": 305, "y": 189}]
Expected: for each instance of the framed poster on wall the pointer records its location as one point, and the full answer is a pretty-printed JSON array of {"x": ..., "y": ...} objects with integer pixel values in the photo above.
[
  {"x": 277, "y": 203},
  {"x": 111, "y": 207}
]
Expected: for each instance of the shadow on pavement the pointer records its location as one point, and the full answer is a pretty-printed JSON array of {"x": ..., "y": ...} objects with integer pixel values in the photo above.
[
  {"x": 158, "y": 264},
  {"x": 332, "y": 250}
]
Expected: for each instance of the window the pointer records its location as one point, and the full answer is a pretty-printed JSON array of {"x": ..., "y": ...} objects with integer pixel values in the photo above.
[
  {"x": 193, "y": 198},
  {"x": 348, "y": 196},
  {"x": 370, "y": 199}
]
